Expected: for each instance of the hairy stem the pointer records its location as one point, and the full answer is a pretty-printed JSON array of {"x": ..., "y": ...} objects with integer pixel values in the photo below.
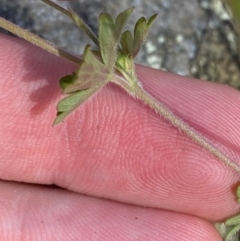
[
  {"x": 34, "y": 39},
  {"x": 144, "y": 96},
  {"x": 76, "y": 19},
  {"x": 57, "y": 7}
]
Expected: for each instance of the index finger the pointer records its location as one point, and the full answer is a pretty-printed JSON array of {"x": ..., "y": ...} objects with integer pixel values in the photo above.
[{"x": 114, "y": 146}]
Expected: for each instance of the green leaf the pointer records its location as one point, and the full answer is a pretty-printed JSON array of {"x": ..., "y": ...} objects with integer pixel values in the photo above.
[
  {"x": 90, "y": 77},
  {"x": 151, "y": 20},
  {"x": 233, "y": 221},
  {"x": 121, "y": 21},
  {"x": 109, "y": 35},
  {"x": 238, "y": 193},
  {"x": 141, "y": 32},
  {"x": 232, "y": 232},
  {"x": 127, "y": 42},
  {"x": 130, "y": 46},
  {"x": 97, "y": 68},
  {"x": 70, "y": 103},
  {"x": 107, "y": 40},
  {"x": 66, "y": 80},
  {"x": 90, "y": 73}
]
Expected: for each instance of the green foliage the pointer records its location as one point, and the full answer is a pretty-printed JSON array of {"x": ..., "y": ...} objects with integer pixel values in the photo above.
[
  {"x": 90, "y": 77},
  {"x": 92, "y": 72},
  {"x": 127, "y": 43},
  {"x": 234, "y": 222},
  {"x": 66, "y": 80},
  {"x": 109, "y": 35},
  {"x": 70, "y": 103},
  {"x": 130, "y": 46},
  {"x": 140, "y": 33},
  {"x": 98, "y": 67},
  {"x": 235, "y": 7}
]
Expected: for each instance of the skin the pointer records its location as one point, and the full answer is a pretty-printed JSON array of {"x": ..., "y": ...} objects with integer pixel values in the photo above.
[{"x": 122, "y": 172}]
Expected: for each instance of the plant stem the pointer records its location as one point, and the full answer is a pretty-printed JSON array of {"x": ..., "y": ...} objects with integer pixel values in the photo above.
[
  {"x": 57, "y": 7},
  {"x": 190, "y": 132},
  {"x": 34, "y": 39},
  {"x": 76, "y": 19}
]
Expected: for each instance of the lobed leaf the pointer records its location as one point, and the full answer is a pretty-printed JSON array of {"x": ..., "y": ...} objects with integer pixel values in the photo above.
[
  {"x": 90, "y": 73},
  {"x": 90, "y": 77},
  {"x": 107, "y": 40},
  {"x": 238, "y": 193},
  {"x": 97, "y": 68},
  {"x": 70, "y": 103},
  {"x": 127, "y": 42},
  {"x": 233, "y": 221},
  {"x": 232, "y": 232},
  {"x": 66, "y": 80},
  {"x": 141, "y": 32},
  {"x": 109, "y": 35},
  {"x": 151, "y": 20},
  {"x": 121, "y": 21},
  {"x": 140, "y": 35}
]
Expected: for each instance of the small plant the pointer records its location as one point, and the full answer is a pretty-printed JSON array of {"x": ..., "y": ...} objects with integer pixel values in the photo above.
[
  {"x": 113, "y": 61},
  {"x": 234, "y": 222}
]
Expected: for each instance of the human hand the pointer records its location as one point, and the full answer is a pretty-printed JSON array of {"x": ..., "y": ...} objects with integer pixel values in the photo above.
[{"x": 112, "y": 147}]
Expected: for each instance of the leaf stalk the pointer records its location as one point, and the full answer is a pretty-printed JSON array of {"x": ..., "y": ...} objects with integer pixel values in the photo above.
[
  {"x": 36, "y": 40},
  {"x": 168, "y": 115}
]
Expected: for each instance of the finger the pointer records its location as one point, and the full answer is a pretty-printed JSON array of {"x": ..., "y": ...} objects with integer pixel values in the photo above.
[
  {"x": 114, "y": 146},
  {"x": 40, "y": 213}
]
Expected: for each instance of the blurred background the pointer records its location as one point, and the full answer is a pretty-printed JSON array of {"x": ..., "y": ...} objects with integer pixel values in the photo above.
[{"x": 197, "y": 38}]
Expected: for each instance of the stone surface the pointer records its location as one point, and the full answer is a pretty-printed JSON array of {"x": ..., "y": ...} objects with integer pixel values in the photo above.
[{"x": 189, "y": 37}]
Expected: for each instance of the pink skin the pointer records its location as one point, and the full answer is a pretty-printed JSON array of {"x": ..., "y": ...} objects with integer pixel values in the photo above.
[{"x": 112, "y": 147}]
